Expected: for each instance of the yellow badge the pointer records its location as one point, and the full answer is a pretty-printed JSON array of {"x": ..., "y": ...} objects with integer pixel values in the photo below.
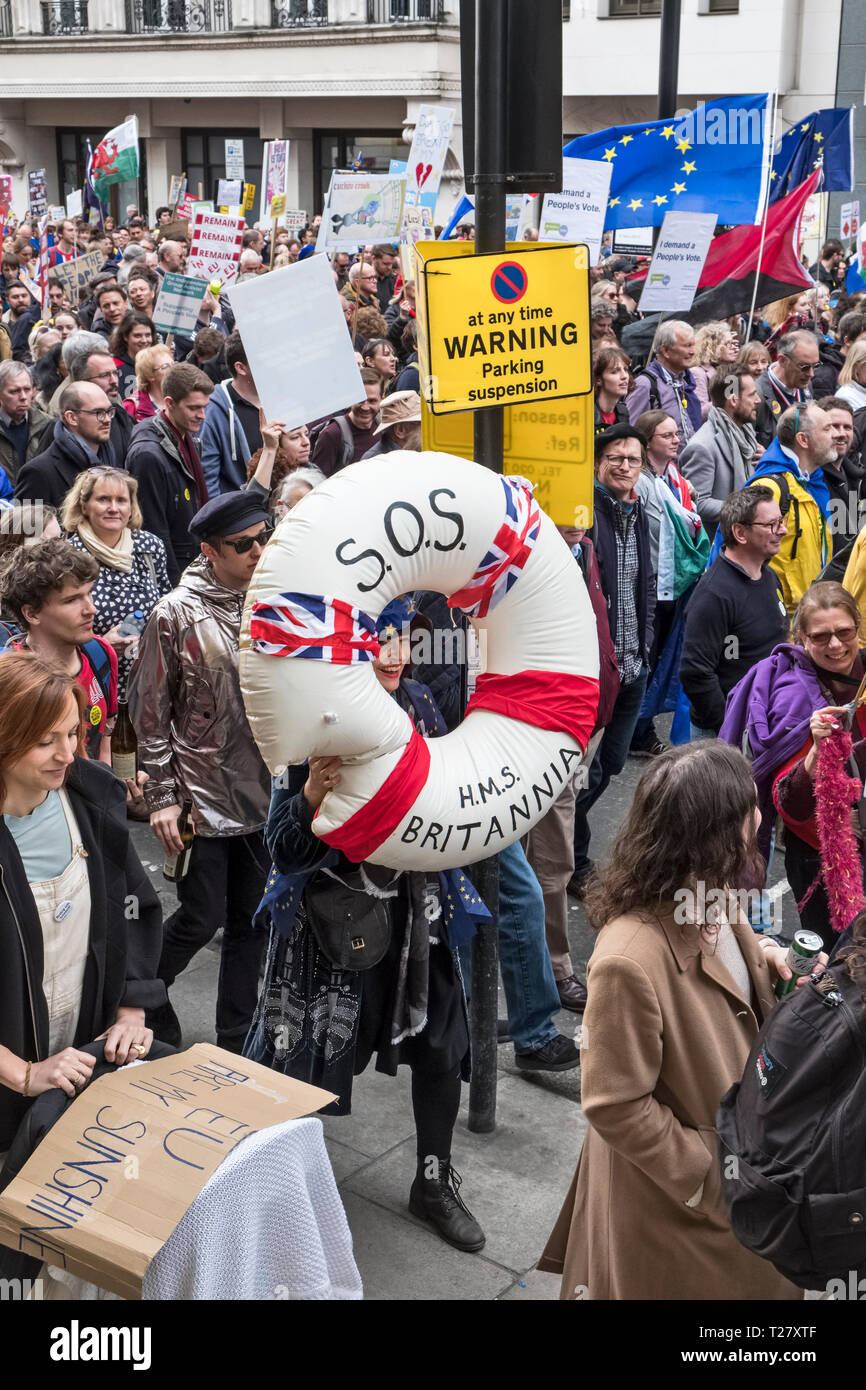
[
  {"x": 776, "y": 408},
  {"x": 95, "y": 716},
  {"x": 186, "y": 493}
]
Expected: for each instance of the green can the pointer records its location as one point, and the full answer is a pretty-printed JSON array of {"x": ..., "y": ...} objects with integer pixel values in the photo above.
[{"x": 800, "y": 959}]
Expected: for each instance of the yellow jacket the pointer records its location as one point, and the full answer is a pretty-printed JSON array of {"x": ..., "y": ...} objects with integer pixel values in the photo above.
[
  {"x": 855, "y": 574},
  {"x": 808, "y": 545}
]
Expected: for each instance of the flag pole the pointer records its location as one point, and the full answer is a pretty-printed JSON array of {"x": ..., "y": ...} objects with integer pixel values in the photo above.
[{"x": 764, "y": 220}]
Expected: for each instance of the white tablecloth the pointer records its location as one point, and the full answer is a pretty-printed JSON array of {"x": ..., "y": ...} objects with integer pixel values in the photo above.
[{"x": 269, "y": 1224}]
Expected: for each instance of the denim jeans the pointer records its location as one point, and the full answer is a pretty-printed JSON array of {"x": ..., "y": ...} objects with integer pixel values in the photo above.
[
  {"x": 608, "y": 762},
  {"x": 531, "y": 995}
]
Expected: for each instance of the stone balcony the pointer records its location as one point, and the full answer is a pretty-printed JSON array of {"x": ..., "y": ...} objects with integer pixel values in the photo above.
[{"x": 79, "y": 19}]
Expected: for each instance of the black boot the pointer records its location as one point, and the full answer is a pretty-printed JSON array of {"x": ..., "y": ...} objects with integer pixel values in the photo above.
[{"x": 438, "y": 1200}]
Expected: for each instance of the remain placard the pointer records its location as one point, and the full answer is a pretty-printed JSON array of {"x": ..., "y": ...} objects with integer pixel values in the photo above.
[
  {"x": 502, "y": 329},
  {"x": 215, "y": 245},
  {"x": 103, "y": 1191},
  {"x": 275, "y": 312},
  {"x": 179, "y": 303}
]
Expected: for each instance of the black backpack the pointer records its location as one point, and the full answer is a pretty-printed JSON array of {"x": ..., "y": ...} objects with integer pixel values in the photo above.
[
  {"x": 347, "y": 439},
  {"x": 792, "y": 1136}
]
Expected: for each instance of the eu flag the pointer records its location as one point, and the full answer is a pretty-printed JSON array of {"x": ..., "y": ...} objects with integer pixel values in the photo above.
[
  {"x": 824, "y": 138},
  {"x": 715, "y": 159}
]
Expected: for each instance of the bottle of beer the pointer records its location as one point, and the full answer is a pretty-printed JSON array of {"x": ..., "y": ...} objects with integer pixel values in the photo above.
[
  {"x": 124, "y": 745},
  {"x": 175, "y": 867}
]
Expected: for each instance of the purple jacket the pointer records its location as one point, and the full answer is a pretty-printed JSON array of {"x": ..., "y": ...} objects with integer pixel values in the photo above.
[{"x": 771, "y": 708}]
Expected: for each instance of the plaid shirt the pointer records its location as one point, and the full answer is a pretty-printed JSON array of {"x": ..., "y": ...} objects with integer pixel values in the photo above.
[{"x": 629, "y": 657}]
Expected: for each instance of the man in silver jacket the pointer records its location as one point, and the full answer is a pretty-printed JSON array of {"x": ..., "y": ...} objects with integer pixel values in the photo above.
[{"x": 198, "y": 751}]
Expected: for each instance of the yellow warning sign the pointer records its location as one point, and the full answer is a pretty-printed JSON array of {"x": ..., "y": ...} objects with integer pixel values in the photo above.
[
  {"x": 549, "y": 443},
  {"x": 502, "y": 329}
]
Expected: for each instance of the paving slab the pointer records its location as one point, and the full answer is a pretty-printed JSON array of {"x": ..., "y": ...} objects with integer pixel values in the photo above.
[
  {"x": 344, "y": 1160},
  {"x": 533, "y": 1287},
  {"x": 381, "y": 1114},
  {"x": 400, "y": 1261},
  {"x": 515, "y": 1179}
]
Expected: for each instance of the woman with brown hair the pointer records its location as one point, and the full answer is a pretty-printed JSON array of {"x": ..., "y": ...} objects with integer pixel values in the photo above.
[
  {"x": 74, "y": 967},
  {"x": 678, "y": 985},
  {"x": 101, "y": 516},
  {"x": 611, "y": 382}
]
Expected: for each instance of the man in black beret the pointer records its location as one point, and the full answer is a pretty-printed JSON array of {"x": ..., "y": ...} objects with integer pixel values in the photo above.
[
  {"x": 620, "y": 536},
  {"x": 196, "y": 746}
]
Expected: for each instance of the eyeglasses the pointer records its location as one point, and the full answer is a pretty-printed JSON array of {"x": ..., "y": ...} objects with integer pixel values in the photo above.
[
  {"x": 823, "y": 639},
  {"x": 617, "y": 459},
  {"x": 246, "y": 543},
  {"x": 101, "y": 413},
  {"x": 774, "y": 526}
]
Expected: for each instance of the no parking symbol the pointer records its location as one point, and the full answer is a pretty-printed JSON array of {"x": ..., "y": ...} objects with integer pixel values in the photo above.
[{"x": 509, "y": 282}]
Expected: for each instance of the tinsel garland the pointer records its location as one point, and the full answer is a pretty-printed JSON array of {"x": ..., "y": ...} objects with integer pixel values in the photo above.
[{"x": 841, "y": 863}]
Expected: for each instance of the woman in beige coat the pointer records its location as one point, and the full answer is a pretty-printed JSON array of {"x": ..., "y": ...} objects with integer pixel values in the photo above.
[{"x": 678, "y": 987}]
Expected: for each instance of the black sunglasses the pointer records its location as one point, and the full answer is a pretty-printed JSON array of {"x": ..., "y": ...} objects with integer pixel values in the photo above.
[{"x": 246, "y": 543}]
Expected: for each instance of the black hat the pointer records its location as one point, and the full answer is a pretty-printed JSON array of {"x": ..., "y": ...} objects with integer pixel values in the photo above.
[
  {"x": 228, "y": 513},
  {"x": 617, "y": 432}
]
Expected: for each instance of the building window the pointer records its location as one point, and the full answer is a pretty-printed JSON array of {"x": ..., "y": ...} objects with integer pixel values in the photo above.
[
  {"x": 566, "y": 11},
  {"x": 203, "y": 155},
  {"x": 337, "y": 149},
  {"x": 632, "y": 9},
  {"x": 724, "y": 7}
]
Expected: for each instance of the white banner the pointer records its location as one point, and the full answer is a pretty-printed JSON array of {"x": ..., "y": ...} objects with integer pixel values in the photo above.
[
  {"x": 297, "y": 304},
  {"x": 429, "y": 148},
  {"x": 361, "y": 208},
  {"x": 672, "y": 279},
  {"x": 577, "y": 213},
  {"x": 73, "y": 203},
  {"x": 849, "y": 220}
]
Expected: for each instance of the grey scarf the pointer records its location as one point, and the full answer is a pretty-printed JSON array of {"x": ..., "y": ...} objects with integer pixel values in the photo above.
[{"x": 741, "y": 438}]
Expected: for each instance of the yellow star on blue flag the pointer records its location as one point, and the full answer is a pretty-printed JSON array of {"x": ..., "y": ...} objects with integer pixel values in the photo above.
[{"x": 825, "y": 135}]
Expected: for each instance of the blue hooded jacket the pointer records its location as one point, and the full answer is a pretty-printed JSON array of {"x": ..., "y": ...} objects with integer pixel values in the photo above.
[{"x": 225, "y": 452}]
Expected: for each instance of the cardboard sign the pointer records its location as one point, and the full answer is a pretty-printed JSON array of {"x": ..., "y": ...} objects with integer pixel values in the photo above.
[
  {"x": 74, "y": 203},
  {"x": 501, "y": 329},
  {"x": 297, "y": 304},
  {"x": 36, "y": 192},
  {"x": 77, "y": 274},
  {"x": 215, "y": 246},
  {"x": 678, "y": 260},
  {"x": 849, "y": 219},
  {"x": 578, "y": 212},
  {"x": 178, "y": 303},
  {"x": 361, "y": 208},
  {"x": 143, "y": 1141},
  {"x": 235, "y": 160},
  {"x": 552, "y": 445}
]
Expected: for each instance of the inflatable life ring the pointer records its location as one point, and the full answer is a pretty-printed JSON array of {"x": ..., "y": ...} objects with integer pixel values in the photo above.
[{"x": 382, "y": 528}]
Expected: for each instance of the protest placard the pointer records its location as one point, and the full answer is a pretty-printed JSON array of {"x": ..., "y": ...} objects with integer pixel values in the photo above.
[
  {"x": 178, "y": 303},
  {"x": 633, "y": 241},
  {"x": 215, "y": 245},
  {"x": 235, "y": 159},
  {"x": 105, "y": 1188},
  {"x": 73, "y": 203},
  {"x": 76, "y": 275},
  {"x": 672, "y": 279},
  {"x": 36, "y": 192},
  {"x": 275, "y": 174},
  {"x": 361, "y": 208},
  {"x": 229, "y": 191},
  {"x": 429, "y": 148},
  {"x": 577, "y": 213},
  {"x": 297, "y": 304},
  {"x": 56, "y": 212},
  {"x": 849, "y": 219},
  {"x": 5, "y": 194},
  {"x": 249, "y": 197},
  {"x": 184, "y": 207},
  {"x": 176, "y": 188},
  {"x": 204, "y": 206}
]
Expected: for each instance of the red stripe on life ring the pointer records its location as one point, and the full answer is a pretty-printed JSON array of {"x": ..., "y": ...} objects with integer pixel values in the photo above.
[
  {"x": 370, "y": 827},
  {"x": 544, "y": 699}
]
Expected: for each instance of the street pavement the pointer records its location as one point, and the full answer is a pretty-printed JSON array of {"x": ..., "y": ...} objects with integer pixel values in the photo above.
[{"x": 515, "y": 1179}]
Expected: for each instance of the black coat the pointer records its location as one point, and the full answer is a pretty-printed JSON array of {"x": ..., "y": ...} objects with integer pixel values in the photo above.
[
  {"x": 166, "y": 491},
  {"x": 603, "y": 538},
  {"x": 122, "y": 426},
  {"x": 124, "y": 949},
  {"x": 48, "y": 476}
]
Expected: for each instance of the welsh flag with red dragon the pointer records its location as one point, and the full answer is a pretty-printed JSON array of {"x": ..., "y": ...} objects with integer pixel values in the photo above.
[{"x": 115, "y": 159}]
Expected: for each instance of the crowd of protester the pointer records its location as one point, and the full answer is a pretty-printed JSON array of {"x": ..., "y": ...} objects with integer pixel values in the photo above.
[{"x": 139, "y": 484}]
